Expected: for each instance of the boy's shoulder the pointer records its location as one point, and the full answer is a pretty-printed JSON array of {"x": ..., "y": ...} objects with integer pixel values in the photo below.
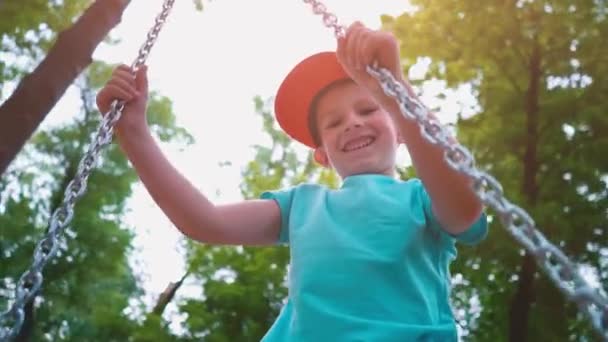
[{"x": 310, "y": 189}]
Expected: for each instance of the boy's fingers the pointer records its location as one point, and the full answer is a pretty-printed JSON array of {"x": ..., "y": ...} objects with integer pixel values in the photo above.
[
  {"x": 359, "y": 53},
  {"x": 141, "y": 81},
  {"x": 124, "y": 75},
  {"x": 123, "y": 85},
  {"x": 116, "y": 93},
  {"x": 350, "y": 44},
  {"x": 120, "y": 87},
  {"x": 123, "y": 68},
  {"x": 101, "y": 101},
  {"x": 355, "y": 47},
  {"x": 341, "y": 47},
  {"x": 372, "y": 47}
]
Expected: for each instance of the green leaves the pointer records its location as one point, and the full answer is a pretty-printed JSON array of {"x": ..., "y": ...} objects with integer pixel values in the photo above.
[
  {"x": 520, "y": 134},
  {"x": 488, "y": 45},
  {"x": 90, "y": 282},
  {"x": 27, "y": 28}
]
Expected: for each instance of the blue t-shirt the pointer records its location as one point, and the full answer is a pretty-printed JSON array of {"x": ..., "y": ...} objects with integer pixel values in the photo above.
[{"x": 369, "y": 262}]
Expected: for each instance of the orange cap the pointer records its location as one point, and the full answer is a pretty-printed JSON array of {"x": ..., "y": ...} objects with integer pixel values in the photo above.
[{"x": 300, "y": 86}]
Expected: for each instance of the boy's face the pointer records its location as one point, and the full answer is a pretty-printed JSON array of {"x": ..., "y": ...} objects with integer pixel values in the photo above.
[{"x": 357, "y": 135}]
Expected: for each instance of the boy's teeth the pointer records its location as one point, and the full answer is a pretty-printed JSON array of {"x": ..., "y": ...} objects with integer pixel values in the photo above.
[{"x": 358, "y": 143}]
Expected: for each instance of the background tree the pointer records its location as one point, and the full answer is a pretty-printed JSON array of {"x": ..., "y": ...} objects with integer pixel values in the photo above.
[
  {"x": 28, "y": 28},
  {"x": 70, "y": 53},
  {"x": 537, "y": 71}
]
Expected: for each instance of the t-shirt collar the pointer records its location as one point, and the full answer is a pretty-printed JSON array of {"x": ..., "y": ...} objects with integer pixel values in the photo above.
[{"x": 367, "y": 178}]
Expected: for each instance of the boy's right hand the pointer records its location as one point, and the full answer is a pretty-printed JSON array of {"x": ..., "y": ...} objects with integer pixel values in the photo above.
[{"x": 131, "y": 89}]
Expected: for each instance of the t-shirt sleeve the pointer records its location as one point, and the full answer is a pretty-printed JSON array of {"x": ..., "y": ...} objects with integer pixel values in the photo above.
[
  {"x": 284, "y": 199},
  {"x": 473, "y": 235}
]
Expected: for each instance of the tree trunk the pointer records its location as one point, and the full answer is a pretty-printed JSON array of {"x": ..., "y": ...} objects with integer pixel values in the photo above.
[
  {"x": 520, "y": 305},
  {"x": 167, "y": 296},
  {"x": 524, "y": 295},
  {"x": 27, "y": 328},
  {"x": 38, "y": 92}
]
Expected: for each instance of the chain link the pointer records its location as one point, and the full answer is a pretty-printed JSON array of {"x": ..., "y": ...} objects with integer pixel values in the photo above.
[
  {"x": 329, "y": 19},
  {"x": 31, "y": 280},
  {"x": 516, "y": 220}
]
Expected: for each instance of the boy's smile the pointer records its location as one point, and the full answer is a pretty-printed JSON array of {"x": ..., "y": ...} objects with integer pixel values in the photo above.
[
  {"x": 357, "y": 135},
  {"x": 358, "y": 143}
]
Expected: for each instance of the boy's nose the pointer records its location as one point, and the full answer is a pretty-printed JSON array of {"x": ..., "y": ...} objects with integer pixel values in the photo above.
[
  {"x": 353, "y": 121},
  {"x": 353, "y": 126}
]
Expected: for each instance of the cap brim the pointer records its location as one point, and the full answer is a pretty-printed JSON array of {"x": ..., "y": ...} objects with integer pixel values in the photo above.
[{"x": 293, "y": 99}]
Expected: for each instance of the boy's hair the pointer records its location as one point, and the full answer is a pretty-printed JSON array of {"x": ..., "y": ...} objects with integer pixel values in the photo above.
[{"x": 313, "y": 120}]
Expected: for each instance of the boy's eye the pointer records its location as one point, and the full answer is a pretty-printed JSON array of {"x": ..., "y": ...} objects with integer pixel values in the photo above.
[
  {"x": 333, "y": 123},
  {"x": 368, "y": 110}
]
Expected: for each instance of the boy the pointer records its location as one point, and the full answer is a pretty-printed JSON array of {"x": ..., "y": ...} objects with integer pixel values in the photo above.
[{"x": 369, "y": 261}]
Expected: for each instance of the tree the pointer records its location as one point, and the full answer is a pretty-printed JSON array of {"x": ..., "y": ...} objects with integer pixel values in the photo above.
[
  {"x": 537, "y": 71},
  {"x": 89, "y": 284},
  {"x": 31, "y": 26},
  {"x": 70, "y": 54},
  {"x": 27, "y": 29}
]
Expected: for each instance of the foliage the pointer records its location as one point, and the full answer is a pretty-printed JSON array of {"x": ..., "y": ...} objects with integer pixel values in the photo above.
[
  {"x": 27, "y": 29},
  {"x": 90, "y": 282},
  {"x": 536, "y": 70}
]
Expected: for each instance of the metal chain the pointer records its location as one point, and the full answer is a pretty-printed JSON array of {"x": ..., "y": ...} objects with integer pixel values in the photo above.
[
  {"x": 31, "y": 280},
  {"x": 516, "y": 220}
]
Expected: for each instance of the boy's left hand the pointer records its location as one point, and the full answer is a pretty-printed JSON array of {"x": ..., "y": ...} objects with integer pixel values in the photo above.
[{"x": 361, "y": 47}]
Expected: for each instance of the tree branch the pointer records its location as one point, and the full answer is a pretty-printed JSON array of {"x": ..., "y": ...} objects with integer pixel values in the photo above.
[{"x": 38, "y": 92}]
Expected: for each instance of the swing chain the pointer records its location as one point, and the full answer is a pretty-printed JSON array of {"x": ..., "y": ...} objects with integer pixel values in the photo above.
[
  {"x": 516, "y": 220},
  {"x": 160, "y": 20},
  {"x": 329, "y": 19},
  {"x": 30, "y": 282}
]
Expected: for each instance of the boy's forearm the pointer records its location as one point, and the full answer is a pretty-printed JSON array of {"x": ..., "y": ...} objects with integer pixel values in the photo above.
[
  {"x": 189, "y": 210},
  {"x": 454, "y": 202}
]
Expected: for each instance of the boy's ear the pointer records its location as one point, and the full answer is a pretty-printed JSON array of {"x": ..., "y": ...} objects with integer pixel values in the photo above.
[{"x": 321, "y": 157}]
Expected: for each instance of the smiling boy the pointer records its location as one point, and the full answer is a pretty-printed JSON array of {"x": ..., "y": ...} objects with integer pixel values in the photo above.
[{"x": 370, "y": 260}]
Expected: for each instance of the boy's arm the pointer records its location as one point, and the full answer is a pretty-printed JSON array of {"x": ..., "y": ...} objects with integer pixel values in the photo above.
[
  {"x": 254, "y": 222},
  {"x": 245, "y": 223},
  {"x": 455, "y": 204}
]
